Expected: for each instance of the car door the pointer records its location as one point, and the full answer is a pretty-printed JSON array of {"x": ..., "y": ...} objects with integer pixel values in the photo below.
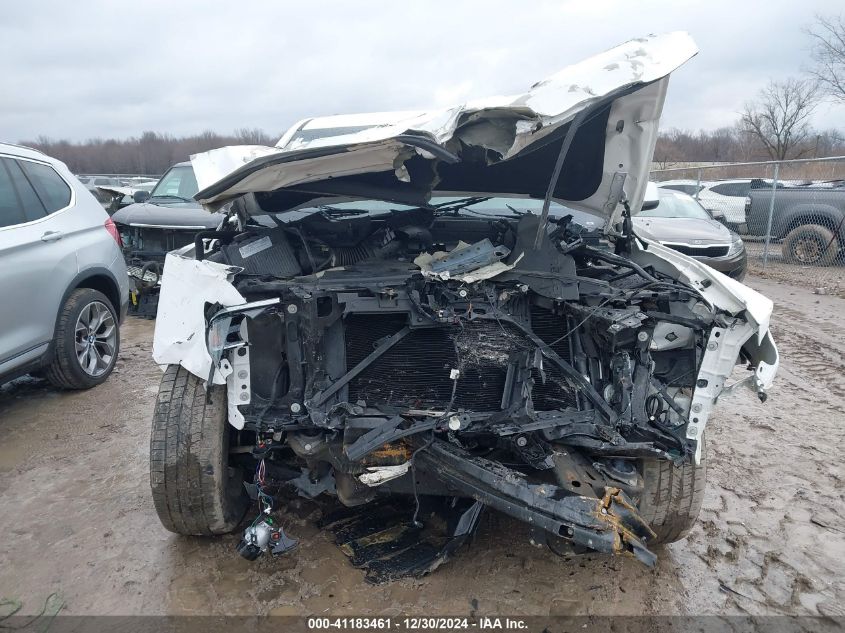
[{"x": 37, "y": 267}]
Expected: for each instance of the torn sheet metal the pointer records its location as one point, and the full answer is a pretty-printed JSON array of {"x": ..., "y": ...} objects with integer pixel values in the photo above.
[
  {"x": 466, "y": 262},
  {"x": 750, "y": 334},
  {"x": 631, "y": 78},
  {"x": 186, "y": 286},
  {"x": 116, "y": 190}
]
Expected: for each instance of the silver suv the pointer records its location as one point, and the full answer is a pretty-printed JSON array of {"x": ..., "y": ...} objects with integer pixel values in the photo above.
[{"x": 63, "y": 284}]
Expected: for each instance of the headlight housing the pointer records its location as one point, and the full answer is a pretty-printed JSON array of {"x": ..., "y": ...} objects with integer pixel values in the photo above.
[{"x": 737, "y": 246}]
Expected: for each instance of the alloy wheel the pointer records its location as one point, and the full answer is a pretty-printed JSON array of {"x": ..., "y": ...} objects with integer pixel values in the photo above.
[{"x": 95, "y": 338}]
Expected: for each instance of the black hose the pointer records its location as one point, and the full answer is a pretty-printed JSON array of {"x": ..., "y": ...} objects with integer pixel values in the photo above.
[
  {"x": 146, "y": 268},
  {"x": 199, "y": 247}
]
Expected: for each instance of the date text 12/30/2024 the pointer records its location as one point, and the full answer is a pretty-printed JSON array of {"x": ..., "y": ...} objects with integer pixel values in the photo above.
[{"x": 417, "y": 624}]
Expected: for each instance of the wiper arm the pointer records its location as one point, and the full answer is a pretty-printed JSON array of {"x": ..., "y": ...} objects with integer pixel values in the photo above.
[
  {"x": 456, "y": 205},
  {"x": 172, "y": 197},
  {"x": 335, "y": 211}
]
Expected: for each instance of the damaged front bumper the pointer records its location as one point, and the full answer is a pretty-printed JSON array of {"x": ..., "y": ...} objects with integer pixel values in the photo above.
[
  {"x": 205, "y": 324},
  {"x": 610, "y": 524}
]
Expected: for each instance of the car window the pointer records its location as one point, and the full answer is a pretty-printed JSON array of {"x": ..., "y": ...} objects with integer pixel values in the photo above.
[
  {"x": 179, "y": 182},
  {"x": 10, "y": 208},
  {"x": 690, "y": 189},
  {"x": 83, "y": 179},
  {"x": 675, "y": 205},
  {"x": 29, "y": 201},
  {"x": 51, "y": 189},
  {"x": 732, "y": 189}
]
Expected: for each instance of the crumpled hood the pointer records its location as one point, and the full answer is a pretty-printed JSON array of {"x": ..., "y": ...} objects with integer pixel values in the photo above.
[
  {"x": 500, "y": 145},
  {"x": 179, "y": 215}
]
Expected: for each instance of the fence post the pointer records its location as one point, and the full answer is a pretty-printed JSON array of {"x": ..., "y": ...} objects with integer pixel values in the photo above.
[
  {"x": 771, "y": 212},
  {"x": 698, "y": 183}
]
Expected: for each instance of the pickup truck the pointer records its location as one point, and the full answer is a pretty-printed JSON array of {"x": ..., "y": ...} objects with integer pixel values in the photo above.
[{"x": 809, "y": 222}]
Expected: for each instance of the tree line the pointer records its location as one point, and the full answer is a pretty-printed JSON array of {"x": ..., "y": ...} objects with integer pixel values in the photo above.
[
  {"x": 737, "y": 145},
  {"x": 151, "y": 153}
]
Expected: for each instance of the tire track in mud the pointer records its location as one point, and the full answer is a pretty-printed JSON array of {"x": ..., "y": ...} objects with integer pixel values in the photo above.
[
  {"x": 770, "y": 531},
  {"x": 811, "y": 355}
]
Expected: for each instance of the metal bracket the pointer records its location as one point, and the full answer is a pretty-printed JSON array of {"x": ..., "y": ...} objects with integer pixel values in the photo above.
[{"x": 616, "y": 193}]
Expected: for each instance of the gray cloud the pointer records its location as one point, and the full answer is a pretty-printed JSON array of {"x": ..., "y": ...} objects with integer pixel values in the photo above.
[{"x": 101, "y": 69}]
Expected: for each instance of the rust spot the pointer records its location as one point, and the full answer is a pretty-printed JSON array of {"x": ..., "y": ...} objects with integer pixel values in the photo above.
[
  {"x": 389, "y": 455},
  {"x": 615, "y": 509}
]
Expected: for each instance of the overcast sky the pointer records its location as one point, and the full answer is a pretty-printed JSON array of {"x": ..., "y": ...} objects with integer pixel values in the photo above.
[{"x": 82, "y": 69}]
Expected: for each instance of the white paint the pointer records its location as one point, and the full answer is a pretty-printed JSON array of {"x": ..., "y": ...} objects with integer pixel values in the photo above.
[
  {"x": 186, "y": 286},
  {"x": 377, "y": 475},
  {"x": 751, "y": 333}
]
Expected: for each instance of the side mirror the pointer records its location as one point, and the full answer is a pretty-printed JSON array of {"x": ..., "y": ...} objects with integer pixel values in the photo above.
[
  {"x": 652, "y": 196},
  {"x": 141, "y": 196}
]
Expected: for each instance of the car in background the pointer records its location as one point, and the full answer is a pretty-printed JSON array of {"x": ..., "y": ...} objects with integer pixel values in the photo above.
[
  {"x": 159, "y": 221},
  {"x": 724, "y": 199},
  {"x": 808, "y": 221},
  {"x": 120, "y": 196},
  {"x": 689, "y": 187},
  {"x": 692, "y": 188},
  {"x": 93, "y": 182},
  {"x": 679, "y": 222},
  {"x": 64, "y": 284}
]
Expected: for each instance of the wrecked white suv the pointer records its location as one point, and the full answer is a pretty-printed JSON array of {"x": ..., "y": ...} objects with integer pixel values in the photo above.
[{"x": 422, "y": 329}]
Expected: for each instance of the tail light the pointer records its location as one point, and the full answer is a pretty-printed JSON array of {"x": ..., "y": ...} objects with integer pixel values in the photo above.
[{"x": 111, "y": 227}]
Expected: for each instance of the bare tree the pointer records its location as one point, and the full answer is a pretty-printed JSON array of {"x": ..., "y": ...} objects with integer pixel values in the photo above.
[
  {"x": 779, "y": 117},
  {"x": 828, "y": 52}
]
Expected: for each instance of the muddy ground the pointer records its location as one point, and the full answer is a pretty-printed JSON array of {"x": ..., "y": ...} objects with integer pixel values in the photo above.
[{"x": 76, "y": 516}]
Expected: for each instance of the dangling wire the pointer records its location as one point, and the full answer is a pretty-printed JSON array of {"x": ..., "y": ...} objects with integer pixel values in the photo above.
[{"x": 264, "y": 500}]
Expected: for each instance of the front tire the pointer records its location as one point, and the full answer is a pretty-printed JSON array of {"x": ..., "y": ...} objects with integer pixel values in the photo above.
[
  {"x": 672, "y": 496},
  {"x": 195, "y": 491},
  {"x": 86, "y": 342},
  {"x": 810, "y": 244}
]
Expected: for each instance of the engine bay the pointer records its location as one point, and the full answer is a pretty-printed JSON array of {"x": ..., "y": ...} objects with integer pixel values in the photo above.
[{"x": 373, "y": 342}]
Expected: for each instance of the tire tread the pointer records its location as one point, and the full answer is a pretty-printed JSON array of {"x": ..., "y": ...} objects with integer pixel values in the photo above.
[
  {"x": 189, "y": 474},
  {"x": 672, "y": 497}
]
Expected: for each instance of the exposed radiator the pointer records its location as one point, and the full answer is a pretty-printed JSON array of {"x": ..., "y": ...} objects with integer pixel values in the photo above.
[
  {"x": 415, "y": 372},
  {"x": 554, "y": 393}
]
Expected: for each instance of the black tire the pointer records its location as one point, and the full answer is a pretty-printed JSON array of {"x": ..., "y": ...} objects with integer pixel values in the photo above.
[
  {"x": 65, "y": 370},
  {"x": 195, "y": 491},
  {"x": 672, "y": 496},
  {"x": 810, "y": 244}
]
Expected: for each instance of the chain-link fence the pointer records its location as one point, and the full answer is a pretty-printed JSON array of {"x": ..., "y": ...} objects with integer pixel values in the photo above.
[{"x": 790, "y": 214}]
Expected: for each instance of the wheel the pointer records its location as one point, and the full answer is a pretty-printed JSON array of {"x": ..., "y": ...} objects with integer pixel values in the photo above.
[
  {"x": 810, "y": 244},
  {"x": 86, "y": 343},
  {"x": 672, "y": 496},
  {"x": 195, "y": 491}
]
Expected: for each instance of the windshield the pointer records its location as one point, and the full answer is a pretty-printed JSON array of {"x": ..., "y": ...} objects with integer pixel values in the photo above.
[
  {"x": 179, "y": 183},
  {"x": 675, "y": 205},
  {"x": 683, "y": 188},
  {"x": 480, "y": 205}
]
